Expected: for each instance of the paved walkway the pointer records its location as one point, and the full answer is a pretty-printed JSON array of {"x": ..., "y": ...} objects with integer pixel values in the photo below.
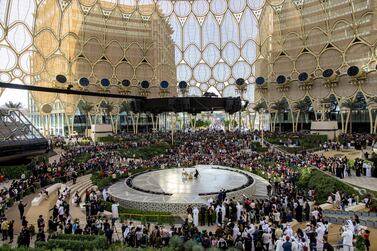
[
  {"x": 13, "y": 214},
  {"x": 365, "y": 182},
  {"x": 43, "y": 209},
  {"x": 350, "y": 153},
  {"x": 31, "y": 213},
  {"x": 55, "y": 157}
]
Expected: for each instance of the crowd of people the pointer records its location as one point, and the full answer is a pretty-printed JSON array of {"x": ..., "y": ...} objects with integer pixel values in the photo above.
[
  {"x": 358, "y": 140},
  {"x": 254, "y": 224},
  {"x": 41, "y": 173},
  {"x": 251, "y": 224}
]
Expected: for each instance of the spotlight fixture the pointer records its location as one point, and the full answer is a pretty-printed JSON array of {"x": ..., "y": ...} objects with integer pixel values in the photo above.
[
  {"x": 126, "y": 82},
  {"x": 281, "y": 79},
  {"x": 327, "y": 73},
  {"x": 182, "y": 85},
  {"x": 353, "y": 71},
  {"x": 105, "y": 82},
  {"x": 84, "y": 82},
  {"x": 356, "y": 73},
  {"x": 61, "y": 79},
  {"x": 240, "y": 81},
  {"x": 330, "y": 75},
  {"x": 303, "y": 77},
  {"x": 144, "y": 84},
  {"x": 164, "y": 84},
  {"x": 260, "y": 80}
]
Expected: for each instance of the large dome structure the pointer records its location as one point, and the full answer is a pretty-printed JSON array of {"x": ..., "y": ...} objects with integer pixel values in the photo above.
[{"x": 207, "y": 43}]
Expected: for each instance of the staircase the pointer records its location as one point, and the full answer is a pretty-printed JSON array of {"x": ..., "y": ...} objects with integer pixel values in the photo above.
[
  {"x": 260, "y": 187},
  {"x": 83, "y": 183},
  {"x": 368, "y": 219}
]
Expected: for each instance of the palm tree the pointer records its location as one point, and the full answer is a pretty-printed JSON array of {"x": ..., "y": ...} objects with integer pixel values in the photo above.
[
  {"x": 326, "y": 104},
  {"x": 258, "y": 108},
  {"x": 351, "y": 105},
  {"x": 125, "y": 107},
  {"x": 108, "y": 108},
  {"x": 372, "y": 102},
  {"x": 302, "y": 107},
  {"x": 86, "y": 108},
  {"x": 280, "y": 107},
  {"x": 12, "y": 105},
  {"x": 329, "y": 104}
]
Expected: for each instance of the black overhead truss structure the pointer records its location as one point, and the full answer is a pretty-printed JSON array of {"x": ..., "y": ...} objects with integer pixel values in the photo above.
[
  {"x": 67, "y": 91},
  {"x": 154, "y": 105},
  {"x": 191, "y": 105}
]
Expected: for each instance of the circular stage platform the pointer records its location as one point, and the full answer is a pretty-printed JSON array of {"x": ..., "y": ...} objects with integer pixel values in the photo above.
[{"x": 167, "y": 190}]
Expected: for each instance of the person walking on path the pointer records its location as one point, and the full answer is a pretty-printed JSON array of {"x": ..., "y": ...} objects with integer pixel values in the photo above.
[
  {"x": 11, "y": 231},
  {"x": 21, "y": 208}
]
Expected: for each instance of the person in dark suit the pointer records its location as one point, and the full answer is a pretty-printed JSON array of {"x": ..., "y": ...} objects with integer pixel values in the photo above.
[
  {"x": 11, "y": 231},
  {"x": 210, "y": 215},
  {"x": 202, "y": 217},
  {"x": 21, "y": 208}
]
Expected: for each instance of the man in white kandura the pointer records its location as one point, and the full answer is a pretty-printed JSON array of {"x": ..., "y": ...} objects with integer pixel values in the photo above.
[
  {"x": 114, "y": 210},
  {"x": 105, "y": 194},
  {"x": 239, "y": 209},
  {"x": 347, "y": 236},
  {"x": 320, "y": 233},
  {"x": 223, "y": 210},
  {"x": 195, "y": 214}
]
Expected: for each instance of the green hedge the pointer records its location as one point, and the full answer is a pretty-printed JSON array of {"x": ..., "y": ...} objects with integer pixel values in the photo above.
[
  {"x": 83, "y": 158},
  {"x": 201, "y": 123},
  {"x": 6, "y": 247},
  {"x": 144, "y": 216},
  {"x": 307, "y": 142},
  {"x": 256, "y": 146},
  {"x": 322, "y": 183},
  {"x": 15, "y": 172},
  {"x": 146, "y": 152},
  {"x": 74, "y": 242},
  {"x": 110, "y": 139},
  {"x": 123, "y": 210},
  {"x": 76, "y": 237},
  {"x": 144, "y": 219}
]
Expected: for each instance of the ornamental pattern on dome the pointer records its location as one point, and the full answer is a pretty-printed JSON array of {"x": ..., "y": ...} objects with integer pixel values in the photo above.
[{"x": 215, "y": 41}]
